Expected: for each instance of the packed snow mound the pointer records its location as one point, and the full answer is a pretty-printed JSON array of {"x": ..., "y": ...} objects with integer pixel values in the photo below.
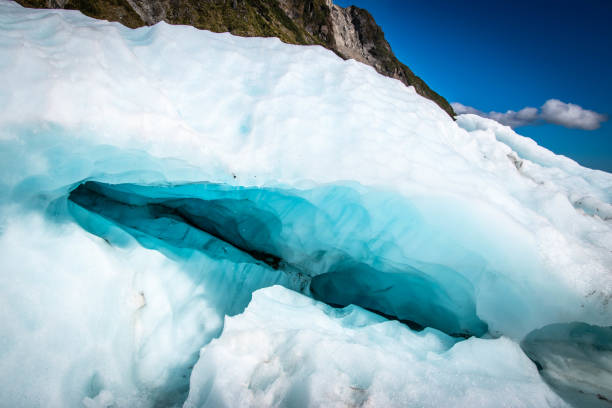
[
  {"x": 288, "y": 350},
  {"x": 152, "y": 179}
]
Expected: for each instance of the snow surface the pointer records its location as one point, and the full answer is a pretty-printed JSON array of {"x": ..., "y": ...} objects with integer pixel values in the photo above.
[
  {"x": 289, "y": 350},
  {"x": 369, "y": 194}
]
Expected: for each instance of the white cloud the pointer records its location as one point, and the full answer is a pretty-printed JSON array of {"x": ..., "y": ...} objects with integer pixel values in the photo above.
[
  {"x": 553, "y": 111},
  {"x": 571, "y": 115},
  {"x": 525, "y": 116},
  {"x": 460, "y": 109}
]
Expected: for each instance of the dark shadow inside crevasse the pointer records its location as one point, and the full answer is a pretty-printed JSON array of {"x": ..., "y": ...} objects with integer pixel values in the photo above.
[
  {"x": 266, "y": 226},
  {"x": 411, "y": 298},
  {"x": 237, "y": 223}
]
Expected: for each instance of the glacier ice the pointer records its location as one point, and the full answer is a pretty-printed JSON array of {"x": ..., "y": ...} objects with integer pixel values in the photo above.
[
  {"x": 157, "y": 184},
  {"x": 284, "y": 231},
  {"x": 288, "y": 350},
  {"x": 576, "y": 359}
]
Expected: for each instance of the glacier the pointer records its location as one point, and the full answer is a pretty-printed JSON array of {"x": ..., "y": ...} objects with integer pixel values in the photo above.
[{"x": 197, "y": 219}]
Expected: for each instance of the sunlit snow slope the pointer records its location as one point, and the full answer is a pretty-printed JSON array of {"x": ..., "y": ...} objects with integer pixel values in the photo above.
[{"x": 198, "y": 219}]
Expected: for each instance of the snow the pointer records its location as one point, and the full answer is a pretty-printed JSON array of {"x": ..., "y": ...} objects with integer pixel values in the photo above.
[
  {"x": 288, "y": 350},
  {"x": 152, "y": 180}
]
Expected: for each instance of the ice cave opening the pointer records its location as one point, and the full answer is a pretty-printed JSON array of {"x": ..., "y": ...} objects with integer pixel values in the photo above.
[{"x": 250, "y": 226}]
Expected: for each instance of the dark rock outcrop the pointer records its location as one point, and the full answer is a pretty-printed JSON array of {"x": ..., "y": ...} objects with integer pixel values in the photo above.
[{"x": 350, "y": 32}]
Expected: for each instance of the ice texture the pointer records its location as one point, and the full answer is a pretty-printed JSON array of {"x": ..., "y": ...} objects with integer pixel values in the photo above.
[
  {"x": 292, "y": 235},
  {"x": 575, "y": 359},
  {"x": 289, "y": 350},
  {"x": 152, "y": 180}
]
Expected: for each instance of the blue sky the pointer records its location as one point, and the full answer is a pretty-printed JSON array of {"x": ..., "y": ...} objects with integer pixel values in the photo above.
[{"x": 499, "y": 56}]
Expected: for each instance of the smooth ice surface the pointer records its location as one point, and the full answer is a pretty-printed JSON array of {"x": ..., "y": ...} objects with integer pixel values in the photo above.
[
  {"x": 289, "y": 350},
  {"x": 222, "y": 165}
]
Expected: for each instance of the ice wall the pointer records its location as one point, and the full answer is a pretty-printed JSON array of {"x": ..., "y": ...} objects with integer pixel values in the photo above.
[{"x": 151, "y": 180}]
